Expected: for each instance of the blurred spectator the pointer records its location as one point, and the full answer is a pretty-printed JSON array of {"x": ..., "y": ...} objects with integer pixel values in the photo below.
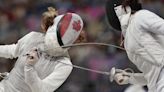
[{"x": 154, "y": 6}]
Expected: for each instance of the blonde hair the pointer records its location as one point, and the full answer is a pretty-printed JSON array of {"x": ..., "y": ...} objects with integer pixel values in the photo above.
[
  {"x": 51, "y": 12},
  {"x": 48, "y": 17}
]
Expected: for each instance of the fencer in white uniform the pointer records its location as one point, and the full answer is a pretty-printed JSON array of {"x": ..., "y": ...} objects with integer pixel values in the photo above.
[
  {"x": 143, "y": 33},
  {"x": 40, "y": 70},
  {"x": 135, "y": 88}
]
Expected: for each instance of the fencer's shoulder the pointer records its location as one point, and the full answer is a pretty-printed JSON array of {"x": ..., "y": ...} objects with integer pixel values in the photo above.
[
  {"x": 144, "y": 15},
  {"x": 31, "y": 35},
  {"x": 34, "y": 34},
  {"x": 144, "y": 12}
]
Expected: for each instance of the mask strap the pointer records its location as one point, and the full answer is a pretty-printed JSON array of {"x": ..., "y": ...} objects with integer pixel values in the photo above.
[{"x": 122, "y": 40}]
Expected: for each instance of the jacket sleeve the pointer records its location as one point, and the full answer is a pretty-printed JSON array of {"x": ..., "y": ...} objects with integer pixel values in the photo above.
[
  {"x": 151, "y": 22},
  {"x": 9, "y": 51},
  {"x": 51, "y": 82},
  {"x": 13, "y": 50},
  {"x": 137, "y": 78}
]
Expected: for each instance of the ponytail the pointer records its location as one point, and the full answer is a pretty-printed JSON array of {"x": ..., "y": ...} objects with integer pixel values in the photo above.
[{"x": 48, "y": 18}]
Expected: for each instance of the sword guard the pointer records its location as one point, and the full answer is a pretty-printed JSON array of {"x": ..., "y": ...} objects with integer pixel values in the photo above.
[{"x": 112, "y": 74}]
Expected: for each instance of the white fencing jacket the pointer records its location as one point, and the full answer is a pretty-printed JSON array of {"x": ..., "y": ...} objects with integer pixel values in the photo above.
[
  {"x": 144, "y": 42},
  {"x": 46, "y": 75},
  {"x": 135, "y": 88}
]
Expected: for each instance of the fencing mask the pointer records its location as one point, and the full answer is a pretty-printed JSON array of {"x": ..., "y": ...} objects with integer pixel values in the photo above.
[
  {"x": 115, "y": 10},
  {"x": 64, "y": 31}
]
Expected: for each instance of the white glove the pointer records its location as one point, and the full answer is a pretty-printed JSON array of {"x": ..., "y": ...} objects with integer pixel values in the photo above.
[
  {"x": 32, "y": 57},
  {"x": 122, "y": 77}
]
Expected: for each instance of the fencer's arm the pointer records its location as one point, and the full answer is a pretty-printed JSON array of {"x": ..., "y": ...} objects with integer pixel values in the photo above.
[
  {"x": 130, "y": 78},
  {"x": 151, "y": 22},
  {"x": 9, "y": 51},
  {"x": 14, "y": 50},
  {"x": 137, "y": 78},
  {"x": 50, "y": 83}
]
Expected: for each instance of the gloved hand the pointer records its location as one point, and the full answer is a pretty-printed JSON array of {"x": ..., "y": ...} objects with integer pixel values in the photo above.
[
  {"x": 122, "y": 77},
  {"x": 32, "y": 57}
]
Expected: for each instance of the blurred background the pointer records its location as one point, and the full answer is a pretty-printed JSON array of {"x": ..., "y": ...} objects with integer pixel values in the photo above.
[{"x": 19, "y": 17}]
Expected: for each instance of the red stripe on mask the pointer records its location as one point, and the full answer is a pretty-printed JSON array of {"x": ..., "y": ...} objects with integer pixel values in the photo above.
[{"x": 65, "y": 23}]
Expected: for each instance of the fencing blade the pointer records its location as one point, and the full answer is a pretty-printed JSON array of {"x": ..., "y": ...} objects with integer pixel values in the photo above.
[{"x": 110, "y": 74}]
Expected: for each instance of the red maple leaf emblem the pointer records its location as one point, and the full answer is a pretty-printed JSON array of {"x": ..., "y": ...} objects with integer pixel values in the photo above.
[{"x": 76, "y": 25}]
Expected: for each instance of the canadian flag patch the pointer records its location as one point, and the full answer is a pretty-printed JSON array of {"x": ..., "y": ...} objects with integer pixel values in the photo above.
[{"x": 76, "y": 25}]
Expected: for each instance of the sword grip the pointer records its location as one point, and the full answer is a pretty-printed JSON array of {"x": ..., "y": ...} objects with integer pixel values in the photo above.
[{"x": 127, "y": 72}]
